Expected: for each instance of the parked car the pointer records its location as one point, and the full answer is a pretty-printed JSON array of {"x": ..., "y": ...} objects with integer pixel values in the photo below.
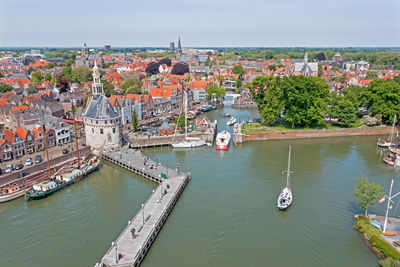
[
  {"x": 65, "y": 151},
  {"x": 28, "y": 162},
  {"x": 38, "y": 159},
  {"x": 19, "y": 166},
  {"x": 9, "y": 168}
]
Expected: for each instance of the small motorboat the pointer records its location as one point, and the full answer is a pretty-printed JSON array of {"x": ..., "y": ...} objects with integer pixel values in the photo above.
[
  {"x": 227, "y": 115},
  {"x": 232, "y": 121}
]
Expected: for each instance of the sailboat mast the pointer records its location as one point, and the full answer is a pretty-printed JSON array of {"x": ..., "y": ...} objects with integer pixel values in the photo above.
[
  {"x": 288, "y": 169},
  {"x": 392, "y": 132},
  {"x": 76, "y": 134},
  {"x": 186, "y": 107},
  {"x": 388, "y": 205},
  {"x": 45, "y": 144}
]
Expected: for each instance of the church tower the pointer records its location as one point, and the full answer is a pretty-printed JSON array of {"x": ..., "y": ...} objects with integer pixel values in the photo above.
[
  {"x": 85, "y": 50},
  {"x": 97, "y": 86},
  {"x": 179, "y": 45}
]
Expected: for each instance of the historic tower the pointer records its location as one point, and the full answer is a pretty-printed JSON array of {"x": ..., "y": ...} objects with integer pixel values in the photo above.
[{"x": 102, "y": 121}]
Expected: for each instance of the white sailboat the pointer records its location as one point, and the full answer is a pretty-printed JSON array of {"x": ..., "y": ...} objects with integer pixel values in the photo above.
[
  {"x": 285, "y": 197},
  {"x": 390, "y": 141},
  {"x": 189, "y": 142}
]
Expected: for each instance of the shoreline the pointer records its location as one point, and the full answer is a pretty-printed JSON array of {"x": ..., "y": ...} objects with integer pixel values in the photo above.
[{"x": 240, "y": 137}]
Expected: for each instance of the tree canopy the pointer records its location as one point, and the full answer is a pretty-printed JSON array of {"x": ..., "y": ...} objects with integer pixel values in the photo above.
[
  {"x": 37, "y": 77},
  {"x": 383, "y": 97},
  {"x": 180, "y": 68},
  {"x": 132, "y": 86},
  {"x": 81, "y": 74},
  {"x": 302, "y": 100},
  {"x": 166, "y": 61},
  {"x": 367, "y": 193},
  {"x": 214, "y": 89},
  {"x": 5, "y": 88},
  {"x": 238, "y": 69},
  {"x": 152, "y": 68}
]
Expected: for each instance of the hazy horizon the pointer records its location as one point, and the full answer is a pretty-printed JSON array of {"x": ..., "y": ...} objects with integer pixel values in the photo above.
[{"x": 212, "y": 23}]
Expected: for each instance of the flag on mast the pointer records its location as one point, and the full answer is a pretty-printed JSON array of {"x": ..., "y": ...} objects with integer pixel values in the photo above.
[{"x": 382, "y": 200}]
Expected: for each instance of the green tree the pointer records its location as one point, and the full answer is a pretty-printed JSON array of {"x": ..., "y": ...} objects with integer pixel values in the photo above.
[
  {"x": 335, "y": 68},
  {"x": 214, "y": 89},
  {"x": 135, "y": 122},
  {"x": 238, "y": 69},
  {"x": 345, "y": 112},
  {"x": 269, "y": 55},
  {"x": 31, "y": 89},
  {"x": 67, "y": 73},
  {"x": 238, "y": 83},
  {"x": 305, "y": 100},
  {"x": 69, "y": 62},
  {"x": 47, "y": 77},
  {"x": 5, "y": 88},
  {"x": 382, "y": 97},
  {"x": 272, "y": 67},
  {"x": 273, "y": 102},
  {"x": 371, "y": 75},
  {"x": 221, "y": 80},
  {"x": 180, "y": 121},
  {"x": 37, "y": 77},
  {"x": 108, "y": 88},
  {"x": 81, "y": 74},
  {"x": 367, "y": 193}
]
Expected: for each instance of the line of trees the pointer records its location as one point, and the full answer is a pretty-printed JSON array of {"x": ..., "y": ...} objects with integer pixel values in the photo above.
[{"x": 305, "y": 101}]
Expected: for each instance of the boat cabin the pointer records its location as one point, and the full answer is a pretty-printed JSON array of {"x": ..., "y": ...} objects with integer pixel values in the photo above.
[{"x": 44, "y": 186}]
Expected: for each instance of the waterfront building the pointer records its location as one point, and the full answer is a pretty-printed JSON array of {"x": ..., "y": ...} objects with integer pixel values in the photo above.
[{"x": 102, "y": 121}]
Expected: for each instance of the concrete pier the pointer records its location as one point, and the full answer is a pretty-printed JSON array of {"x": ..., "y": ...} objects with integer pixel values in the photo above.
[{"x": 140, "y": 232}]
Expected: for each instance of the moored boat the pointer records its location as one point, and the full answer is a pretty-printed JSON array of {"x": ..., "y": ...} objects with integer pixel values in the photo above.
[
  {"x": 231, "y": 121},
  {"x": 223, "y": 140},
  {"x": 286, "y": 197},
  {"x": 392, "y": 159},
  {"x": 390, "y": 141},
  {"x": 11, "y": 192}
]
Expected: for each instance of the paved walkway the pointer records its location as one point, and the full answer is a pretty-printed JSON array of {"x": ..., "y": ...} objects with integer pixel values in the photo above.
[{"x": 150, "y": 218}]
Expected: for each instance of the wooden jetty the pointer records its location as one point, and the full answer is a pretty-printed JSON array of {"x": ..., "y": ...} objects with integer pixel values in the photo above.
[{"x": 135, "y": 240}]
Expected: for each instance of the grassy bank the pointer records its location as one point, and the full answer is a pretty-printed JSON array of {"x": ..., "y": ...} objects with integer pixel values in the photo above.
[
  {"x": 364, "y": 226},
  {"x": 260, "y": 128}
]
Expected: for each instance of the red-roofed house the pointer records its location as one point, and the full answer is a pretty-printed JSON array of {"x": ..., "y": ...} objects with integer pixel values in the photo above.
[
  {"x": 202, "y": 124},
  {"x": 5, "y": 150}
]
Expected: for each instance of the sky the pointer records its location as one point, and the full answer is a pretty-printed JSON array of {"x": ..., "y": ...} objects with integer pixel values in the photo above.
[{"x": 205, "y": 23}]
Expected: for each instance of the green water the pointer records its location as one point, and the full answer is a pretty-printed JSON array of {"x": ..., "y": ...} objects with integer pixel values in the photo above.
[{"x": 226, "y": 216}]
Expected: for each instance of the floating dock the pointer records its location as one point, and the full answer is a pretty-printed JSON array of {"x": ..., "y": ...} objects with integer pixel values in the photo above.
[{"x": 135, "y": 240}]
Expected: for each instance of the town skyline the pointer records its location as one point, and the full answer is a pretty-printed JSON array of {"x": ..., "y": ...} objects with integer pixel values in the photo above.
[{"x": 212, "y": 24}]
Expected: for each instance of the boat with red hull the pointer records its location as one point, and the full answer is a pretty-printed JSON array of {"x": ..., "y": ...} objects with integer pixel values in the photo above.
[{"x": 223, "y": 140}]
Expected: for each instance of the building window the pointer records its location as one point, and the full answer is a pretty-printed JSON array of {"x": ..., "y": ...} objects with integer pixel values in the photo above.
[
  {"x": 92, "y": 130},
  {"x": 105, "y": 122},
  {"x": 101, "y": 131},
  {"x": 97, "y": 122},
  {"x": 113, "y": 130}
]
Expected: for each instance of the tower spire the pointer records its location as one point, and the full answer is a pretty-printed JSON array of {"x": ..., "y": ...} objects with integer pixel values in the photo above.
[
  {"x": 179, "y": 44},
  {"x": 306, "y": 58},
  {"x": 97, "y": 86}
]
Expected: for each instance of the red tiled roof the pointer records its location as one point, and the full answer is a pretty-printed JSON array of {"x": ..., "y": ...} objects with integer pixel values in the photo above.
[
  {"x": 4, "y": 102},
  {"x": 9, "y": 136},
  {"x": 16, "y": 108},
  {"x": 21, "y": 132},
  {"x": 8, "y": 94}
]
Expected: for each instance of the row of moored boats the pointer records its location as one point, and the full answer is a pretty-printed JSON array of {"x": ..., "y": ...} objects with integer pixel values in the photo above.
[{"x": 393, "y": 146}]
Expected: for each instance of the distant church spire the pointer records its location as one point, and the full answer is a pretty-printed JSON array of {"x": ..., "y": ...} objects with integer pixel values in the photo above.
[
  {"x": 179, "y": 44},
  {"x": 97, "y": 86}
]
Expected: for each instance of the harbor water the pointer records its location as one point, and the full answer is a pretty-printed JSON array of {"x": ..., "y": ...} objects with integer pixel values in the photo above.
[{"x": 226, "y": 216}]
